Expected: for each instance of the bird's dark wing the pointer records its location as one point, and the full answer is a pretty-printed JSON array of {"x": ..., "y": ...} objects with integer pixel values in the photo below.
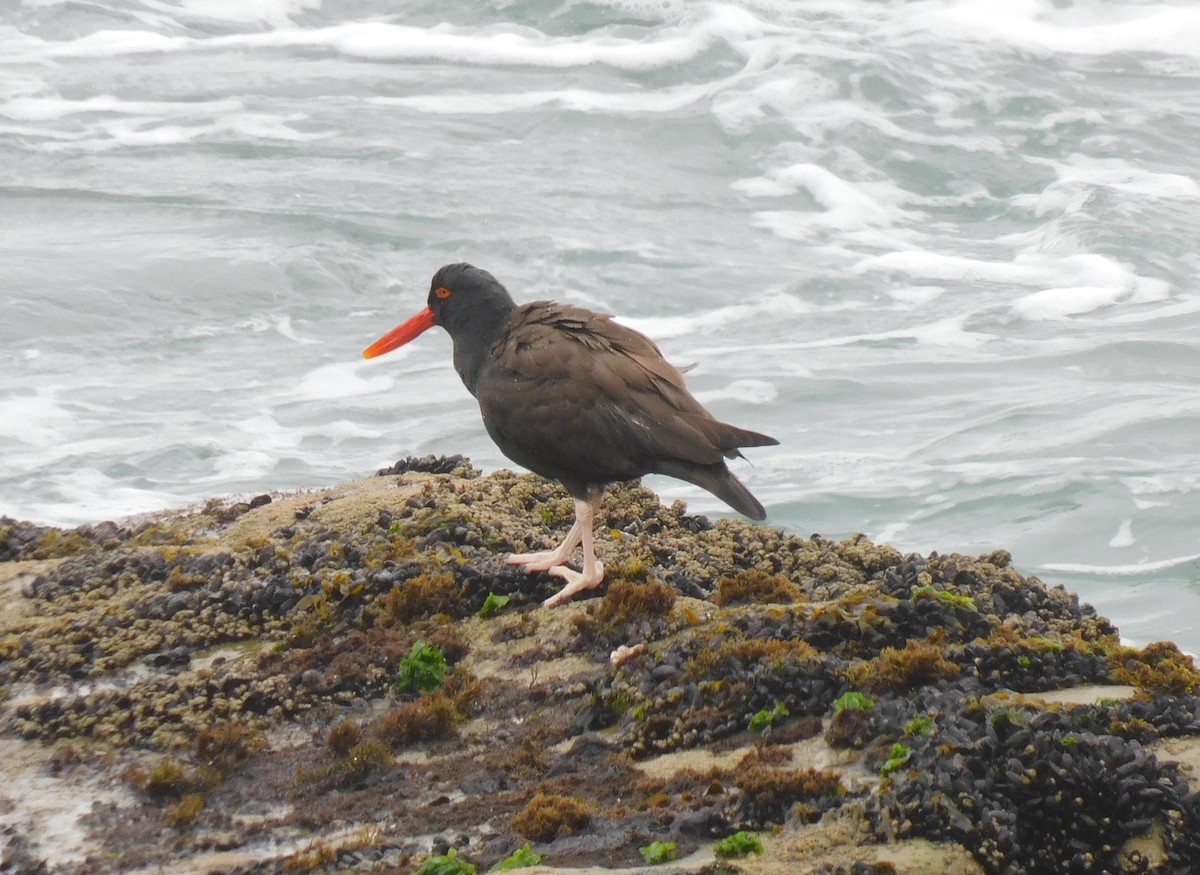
[{"x": 571, "y": 393}]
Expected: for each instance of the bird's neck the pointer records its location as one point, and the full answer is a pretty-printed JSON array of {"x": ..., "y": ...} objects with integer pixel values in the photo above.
[{"x": 473, "y": 342}]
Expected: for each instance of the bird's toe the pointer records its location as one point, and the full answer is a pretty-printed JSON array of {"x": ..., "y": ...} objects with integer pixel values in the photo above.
[
  {"x": 577, "y": 582},
  {"x": 542, "y": 561}
]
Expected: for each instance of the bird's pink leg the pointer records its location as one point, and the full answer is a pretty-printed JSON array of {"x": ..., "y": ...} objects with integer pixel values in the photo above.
[
  {"x": 593, "y": 569},
  {"x": 544, "y": 560},
  {"x": 554, "y": 561}
]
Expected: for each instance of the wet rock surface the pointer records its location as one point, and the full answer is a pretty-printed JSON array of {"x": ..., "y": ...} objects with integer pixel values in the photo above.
[{"x": 219, "y": 690}]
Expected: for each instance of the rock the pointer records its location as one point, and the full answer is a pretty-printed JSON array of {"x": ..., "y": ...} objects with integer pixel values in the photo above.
[{"x": 857, "y": 706}]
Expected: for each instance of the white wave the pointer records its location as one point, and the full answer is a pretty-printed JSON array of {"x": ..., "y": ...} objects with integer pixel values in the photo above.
[
  {"x": 1061, "y": 303},
  {"x": 1160, "y": 484},
  {"x": 1119, "y": 175},
  {"x": 283, "y": 325},
  {"x": 499, "y": 45},
  {"x": 28, "y": 108},
  {"x": 1023, "y": 270},
  {"x": 663, "y": 100},
  {"x": 1138, "y": 569},
  {"x": 1072, "y": 284},
  {"x": 342, "y": 380},
  {"x": 773, "y": 305},
  {"x": 258, "y": 324},
  {"x": 166, "y": 19},
  {"x": 101, "y": 44},
  {"x": 37, "y": 419},
  {"x": 37, "y": 134},
  {"x": 915, "y": 296},
  {"x": 779, "y": 91},
  {"x": 1050, "y": 121},
  {"x": 241, "y": 465},
  {"x": 1187, "y": 305},
  {"x": 1043, "y": 27},
  {"x": 85, "y": 495},
  {"x": 106, "y": 122},
  {"x": 338, "y": 430},
  {"x": 1124, "y": 536},
  {"x": 1179, "y": 67},
  {"x": 238, "y": 126},
  {"x": 825, "y": 119},
  {"x": 844, "y": 205},
  {"x": 890, "y": 533},
  {"x": 846, "y": 473},
  {"x": 1105, "y": 416},
  {"x": 15, "y": 85},
  {"x": 509, "y": 45},
  {"x": 275, "y": 13},
  {"x": 812, "y": 225},
  {"x": 948, "y": 332},
  {"x": 746, "y": 391},
  {"x": 67, "y": 446}
]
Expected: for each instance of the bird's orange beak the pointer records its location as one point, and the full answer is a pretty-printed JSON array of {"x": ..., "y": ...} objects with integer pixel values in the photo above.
[{"x": 401, "y": 334}]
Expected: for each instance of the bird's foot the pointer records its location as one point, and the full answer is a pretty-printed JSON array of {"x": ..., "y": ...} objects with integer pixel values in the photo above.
[
  {"x": 541, "y": 561},
  {"x": 576, "y": 582}
]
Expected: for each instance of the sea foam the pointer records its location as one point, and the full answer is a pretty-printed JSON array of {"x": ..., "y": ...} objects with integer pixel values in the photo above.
[
  {"x": 504, "y": 45},
  {"x": 1140, "y": 569},
  {"x": 1043, "y": 27}
]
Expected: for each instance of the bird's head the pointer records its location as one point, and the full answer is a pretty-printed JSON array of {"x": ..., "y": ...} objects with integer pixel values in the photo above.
[{"x": 468, "y": 302}]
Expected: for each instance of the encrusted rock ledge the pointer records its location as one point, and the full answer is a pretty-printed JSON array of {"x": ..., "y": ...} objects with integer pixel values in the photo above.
[{"x": 352, "y": 680}]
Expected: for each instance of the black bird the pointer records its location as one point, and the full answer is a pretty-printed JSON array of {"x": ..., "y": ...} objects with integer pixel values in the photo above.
[{"x": 576, "y": 397}]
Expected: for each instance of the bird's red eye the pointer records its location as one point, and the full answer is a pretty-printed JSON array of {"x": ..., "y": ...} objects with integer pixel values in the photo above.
[{"x": 442, "y": 292}]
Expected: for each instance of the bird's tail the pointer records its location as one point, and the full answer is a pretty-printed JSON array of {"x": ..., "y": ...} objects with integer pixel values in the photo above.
[
  {"x": 735, "y": 437},
  {"x": 718, "y": 480},
  {"x": 723, "y": 436}
]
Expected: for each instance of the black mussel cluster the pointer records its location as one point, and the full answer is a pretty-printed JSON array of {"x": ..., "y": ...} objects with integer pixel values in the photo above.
[
  {"x": 431, "y": 464},
  {"x": 1028, "y": 792}
]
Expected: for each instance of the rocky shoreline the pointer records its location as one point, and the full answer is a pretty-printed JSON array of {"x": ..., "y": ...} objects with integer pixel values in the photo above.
[{"x": 352, "y": 680}]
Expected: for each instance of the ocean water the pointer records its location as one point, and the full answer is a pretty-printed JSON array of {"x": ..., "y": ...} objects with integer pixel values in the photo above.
[{"x": 944, "y": 250}]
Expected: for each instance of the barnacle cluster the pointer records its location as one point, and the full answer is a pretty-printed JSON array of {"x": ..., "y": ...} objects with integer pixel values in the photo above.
[{"x": 235, "y": 669}]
